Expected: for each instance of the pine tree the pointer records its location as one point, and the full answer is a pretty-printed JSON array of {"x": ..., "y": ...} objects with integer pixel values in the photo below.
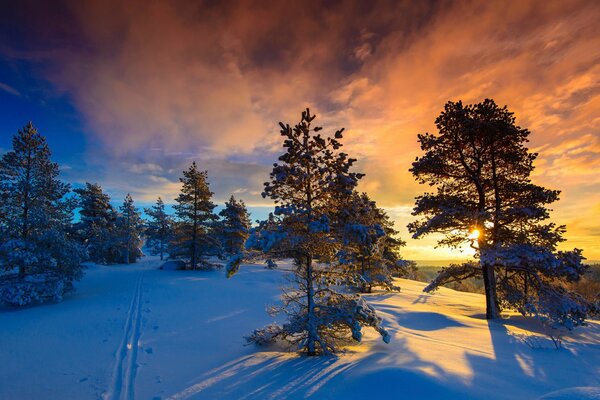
[
  {"x": 370, "y": 251},
  {"x": 97, "y": 226},
  {"x": 193, "y": 232},
  {"x": 481, "y": 168},
  {"x": 234, "y": 228},
  {"x": 308, "y": 184},
  {"x": 35, "y": 221},
  {"x": 158, "y": 229},
  {"x": 129, "y": 228}
]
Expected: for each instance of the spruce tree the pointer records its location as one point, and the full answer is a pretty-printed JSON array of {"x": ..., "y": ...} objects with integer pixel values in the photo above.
[
  {"x": 193, "y": 231},
  {"x": 129, "y": 229},
  {"x": 97, "y": 226},
  {"x": 35, "y": 220},
  {"x": 234, "y": 228},
  {"x": 158, "y": 228},
  {"x": 370, "y": 253},
  {"x": 481, "y": 168},
  {"x": 308, "y": 184}
]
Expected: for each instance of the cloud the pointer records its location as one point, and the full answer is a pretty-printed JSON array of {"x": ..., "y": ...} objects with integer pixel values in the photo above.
[
  {"x": 165, "y": 83},
  {"x": 144, "y": 168},
  {"x": 9, "y": 89}
]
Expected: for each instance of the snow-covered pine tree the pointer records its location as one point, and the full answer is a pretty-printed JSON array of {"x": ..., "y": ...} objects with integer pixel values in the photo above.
[
  {"x": 35, "y": 246},
  {"x": 193, "y": 235},
  {"x": 158, "y": 228},
  {"x": 129, "y": 230},
  {"x": 96, "y": 229},
  {"x": 308, "y": 184},
  {"x": 481, "y": 168},
  {"x": 234, "y": 227},
  {"x": 370, "y": 253}
]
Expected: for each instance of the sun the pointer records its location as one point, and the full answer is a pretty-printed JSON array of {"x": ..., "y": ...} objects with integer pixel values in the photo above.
[{"x": 474, "y": 234}]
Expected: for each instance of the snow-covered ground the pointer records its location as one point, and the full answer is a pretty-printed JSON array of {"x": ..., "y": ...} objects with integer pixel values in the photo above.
[{"x": 139, "y": 332}]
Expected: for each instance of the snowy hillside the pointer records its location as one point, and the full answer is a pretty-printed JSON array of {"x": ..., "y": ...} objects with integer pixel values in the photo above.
[{"x": 139, "y": 332}]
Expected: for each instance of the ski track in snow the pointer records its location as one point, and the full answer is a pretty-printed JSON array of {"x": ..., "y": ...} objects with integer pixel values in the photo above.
[{"x": 123, "y": 378}]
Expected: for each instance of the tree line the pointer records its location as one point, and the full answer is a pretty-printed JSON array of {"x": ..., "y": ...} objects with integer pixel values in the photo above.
[
  {"x": 341, "y": 243},
  {"x": 42, "y": 245}
]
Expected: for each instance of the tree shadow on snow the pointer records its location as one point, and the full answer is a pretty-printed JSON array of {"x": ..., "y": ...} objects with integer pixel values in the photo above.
[
  {"x": 527, "y": 365},
  {"x": 381, "y": 371},
  {"x": 420, "y": 320},
  {"x": 426, "y": 321},
  {"x": 422, "y": 299},
  {"x": 515, "y": 370}
]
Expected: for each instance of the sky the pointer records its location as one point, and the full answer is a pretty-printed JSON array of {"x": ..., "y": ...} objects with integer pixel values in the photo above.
[{"x": 129, "y": 93}]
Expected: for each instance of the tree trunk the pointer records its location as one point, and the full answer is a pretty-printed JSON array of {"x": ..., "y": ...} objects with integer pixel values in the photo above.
[
  {"x": 492, "y": 311},
  {"x": 128, "y": 250},
  {"x": 311, "y": 328},
  {"x": 194, "y": 261},
  {"x": 25, "y": 228},
  {"x": 362, "y": 271}
]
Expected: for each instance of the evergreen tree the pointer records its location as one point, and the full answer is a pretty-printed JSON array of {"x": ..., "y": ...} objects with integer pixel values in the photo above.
[
  {"x": 158, "y": 229},
  {"x": 481, "y": 168},
  {"x": 234, "y": 228},
  {"x": 193, "y": 232},
  {"x": 35, "y": 220},
  {"x": 370, "y": 251},
  {"x": 129, "y": 228},
  {"x": 308, "y": 184},
  {"x": 97, "y": 226}
]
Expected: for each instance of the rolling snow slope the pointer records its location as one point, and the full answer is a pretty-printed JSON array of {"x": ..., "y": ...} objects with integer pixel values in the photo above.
[{"x": 139, "y": 332}]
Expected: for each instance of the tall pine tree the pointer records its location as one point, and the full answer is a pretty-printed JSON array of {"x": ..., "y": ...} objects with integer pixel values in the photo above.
[
  {"x": 308, "y": 184},
  {"x": 193, "y": 235},
  {"x": 158, "y": 228},
  {"x": 35, "y": 221},
  {"x": 481, "y": 168}
]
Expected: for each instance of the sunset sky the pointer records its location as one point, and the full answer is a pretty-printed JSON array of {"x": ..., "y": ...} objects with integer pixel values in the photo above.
[{"x": 129, "y": 95}]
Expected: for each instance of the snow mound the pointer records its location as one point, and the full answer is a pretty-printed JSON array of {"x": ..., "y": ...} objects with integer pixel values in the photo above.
[
  {"x": 38, "y": 288},
  {"x": 173, "y": 265}
]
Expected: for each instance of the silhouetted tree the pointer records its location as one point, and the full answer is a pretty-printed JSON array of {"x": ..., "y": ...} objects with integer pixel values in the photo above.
[{"x": 481, "y": 169}]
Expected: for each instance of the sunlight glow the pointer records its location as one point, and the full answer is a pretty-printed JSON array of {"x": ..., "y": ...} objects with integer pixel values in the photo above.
[{"x": 474, "y": 234}]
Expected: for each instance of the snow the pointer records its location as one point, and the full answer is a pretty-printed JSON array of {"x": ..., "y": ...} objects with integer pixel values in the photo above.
[{"x": 139, "y": 332}]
